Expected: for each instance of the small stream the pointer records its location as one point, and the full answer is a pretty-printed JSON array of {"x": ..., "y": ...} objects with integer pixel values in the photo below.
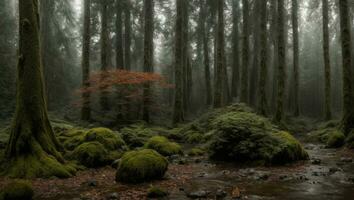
[{"x": 328, "y": 175}]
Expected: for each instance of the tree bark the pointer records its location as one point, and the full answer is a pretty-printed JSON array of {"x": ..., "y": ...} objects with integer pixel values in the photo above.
[
  {"x": 347, "y": 124},
  {"x": 295, "y": 13},
  {"x": 119, "y": 35},
  {"x": 32, "y": 150},
  {"x": 235, "y": 50},
  {"x": 104, "y": 53},
  {"x": 262, "y": 103},
  {"x": 148, "y": 54},
  {"x": 86, "y": 109},
  {"x": 327, "y": 62},
  {"x": 127, "y": 43},
  {"x": 245, "y": 51},
  {"x": 281, "y": 62}
]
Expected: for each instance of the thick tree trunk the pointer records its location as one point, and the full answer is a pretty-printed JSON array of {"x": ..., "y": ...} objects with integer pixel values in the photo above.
[
  {"x": 262, "y": 103},
  {"x": 235, "y": 50},
  {"x": 127, "y": 43},
  {"x": 295, "y": 13},
  {"x": 245, "y": 51},
  {"x": 86, "y": 109},
  {"x": 148, "y": 54},
  {"x": 104, "y": 53},
  {"x": 32, "y": 150},
  {"x": 327, "y": 62},
  {"x": 348, "y": 109},
  {"x": 119, "y": 35},
  {"x": 219, "y": 95},
  {"x": 204, "y": 39},
  {"x": 281, "y": 61},
  {"x": 178, "y": 112}
]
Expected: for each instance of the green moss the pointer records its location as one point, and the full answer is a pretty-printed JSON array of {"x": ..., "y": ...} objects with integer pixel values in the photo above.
[
  {"x": 156, "y": 192},
  {"x": 350, "y": 140},
  {"x": 136, "y": 135},
  {"x": 336, "y": 139},
  {"x": 17, "y": 190},
  {"x": 246, "y": 137},
  {"x": 72, "y": 138},
  {"x": 196, "y": 152},
  {"x": 107, "y": 137},
  {"x": 193, "y": 137},
  {"x": 163, "y": 146},
  {"x": 91, "y": 154},
  {"x": 141, "y": 166}
]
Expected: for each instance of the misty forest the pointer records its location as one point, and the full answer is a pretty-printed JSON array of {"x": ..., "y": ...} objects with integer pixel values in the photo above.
[{"x": 176, "y": 99}]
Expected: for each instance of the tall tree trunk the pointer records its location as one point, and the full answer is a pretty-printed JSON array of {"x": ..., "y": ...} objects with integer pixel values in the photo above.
[
  {"x": 235, "y": 50},
  {"x": 187, "y": 76},
  {"x": 178, "y": 112},
  {"x": 281, "y": 61},
  {"x": 148, "y": 54},
  {"x": 295, "y": 13},
  {"x": 274, "y": 31},
  {"x": 245, "y": 51},
  {"x": 32, "y": 150},
  {"x": 119, "y": 35},
  {"x": 104, "y": 53},
  {"x": 86, "y": 109},
  {"x": 347, "y": 124},
  {"x": 262, "y": 103},
  {"x": 204, "y": 39},
  {"x": 127, "y": 43},
  {"x": 219, "y": 95},
  {"x": 256, "y": 51},
  {"x": 327, "y": 62}
]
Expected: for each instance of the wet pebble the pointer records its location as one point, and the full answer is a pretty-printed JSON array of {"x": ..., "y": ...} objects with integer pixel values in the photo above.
[
  {"x": 346, "y": 159},
  {"x": 220, "y": 193},
  {"x": 333, "y": 170},
  {"x": 316, "y": 161},
  {"x": 198, "y": 194},
  {"x": 113, "y": 196},
  {"x": 92, "y": 183}
]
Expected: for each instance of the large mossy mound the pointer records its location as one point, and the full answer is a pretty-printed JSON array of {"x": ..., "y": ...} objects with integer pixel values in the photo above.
[
  {"x": 91, "y": 154},
  {"x": 242, "y": 136},
  {"x": 141, "y": 166},
  {"x": 136, "y": 135},
  {"x": 162, "y": 145},
  {"x": 331, "y": 136},
  {"x": 17, "y": 190},
  {"x": 106, "y": 137}
]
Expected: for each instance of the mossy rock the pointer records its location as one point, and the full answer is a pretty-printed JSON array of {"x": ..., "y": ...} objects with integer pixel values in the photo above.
[
  {"x": 336, "y": 139},
  {"x": 332, "y": 137},
  {"x": 72, "y": 138},
  {"x": 136, "y": 135},
  {"x": 105, "y": 136},
  {"x": 196, "y": 152},
  {"x": 246, "y": 137},
  {"x": 91, "y": 154},
  {"x": 163, "y": 146},
  {"x": 141, "y": 166},
  {"x": 17, "y": 190},
  {"x": 156, "y": 192},
  {"x": 350, "y": 140}
]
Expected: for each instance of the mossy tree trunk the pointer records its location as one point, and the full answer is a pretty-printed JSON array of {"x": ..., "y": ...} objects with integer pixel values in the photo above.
[
  {"x": 219, "y": 94},
  {"x": 347, "y": 124},
  {"x": 32, "y": 150},
  {"x": 205, "y": 37},
  {"x": 295, "y": 22},
  {"x": 245, "y": 51},
  {"x": 148, "y": 54},
  {"x": 327, "y": 62},
  {"x": 235, "y": 50},
  {"x": 281, "y": 61},
  {"x": 104, "y": 53},
  {"x": 262, "y": 103},
  {"x": 86, "y": 109},
  {"x": 178, "y": 112}
]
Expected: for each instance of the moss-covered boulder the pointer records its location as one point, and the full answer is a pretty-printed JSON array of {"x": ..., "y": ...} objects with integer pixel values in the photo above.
[
  {"x": 141, "y": 166},
  {"x": 105, "y": 136},
  {"x": 136, "y": 135},
  {"x": 331, "y": 136},
  {"x": 17, "y": 190},
  {"x": 91, "y": 154},
  {"x": 156, "y": 192},
  {"x": 196, "y": 152},
  {"x": 246, "y": 137},
  {"x": 163, "y": 146}
]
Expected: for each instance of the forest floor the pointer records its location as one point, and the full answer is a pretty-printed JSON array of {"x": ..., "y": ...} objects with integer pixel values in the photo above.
[{"x": 329, "y": 174}]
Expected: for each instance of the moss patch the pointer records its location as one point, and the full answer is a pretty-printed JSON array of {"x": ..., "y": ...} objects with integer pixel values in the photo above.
[
  {"x": 246, "y": 137},
  {"x": 141, "y": 166},
  {"x": 17, "y": 190},
  {"x": 196, "y": 152},
  {"x": 332, "y": 137},
  {"x": 336, "y": 139},
  {"x": 156, "y": 192},
  {"x": 136, "y": 135},
  {"x": 106, "y": 137},
  {"x": 163, "y": 146},
  {"x": 91, "y": 154}
]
